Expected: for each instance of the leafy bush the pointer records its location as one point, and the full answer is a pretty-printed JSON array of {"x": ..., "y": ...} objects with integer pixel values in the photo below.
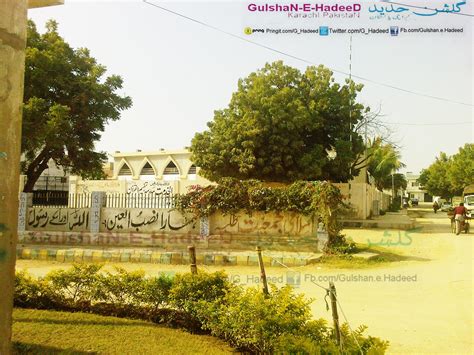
[
  {"x": 299, "y": 345},
  {"x": 156, "y": 291},
  {"x": 250, "y": 320},
  {"x": 77, "y": 284},
  {"x": 277, "y": 323},
  {"x": 189, "y": 289},
  {"x": 230, "y": 196},
  {"x": 30, "y": 292},
  {"x": 368, "y": 345},
  {"x": 395, "y": 205},
  {"x": 121, "y": 287},
  {"x": 339, "y": 245}
]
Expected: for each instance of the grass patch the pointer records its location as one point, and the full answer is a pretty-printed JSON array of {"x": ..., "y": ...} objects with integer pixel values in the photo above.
[{"x": 51, "y": 332}]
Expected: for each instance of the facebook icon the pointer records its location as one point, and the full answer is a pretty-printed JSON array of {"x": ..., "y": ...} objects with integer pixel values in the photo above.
[{"x": 394, "y": 30}]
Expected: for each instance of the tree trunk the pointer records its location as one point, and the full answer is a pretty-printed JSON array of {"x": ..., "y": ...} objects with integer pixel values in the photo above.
[
  {"x": 35, "y": 169},
  {"x": 12, "y": 58}
]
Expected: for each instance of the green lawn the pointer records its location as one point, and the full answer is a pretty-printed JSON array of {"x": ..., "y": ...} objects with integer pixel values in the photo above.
[{"x": 50, "y": 332}]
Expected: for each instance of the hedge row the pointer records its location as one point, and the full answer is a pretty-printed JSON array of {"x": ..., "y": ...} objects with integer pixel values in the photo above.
[{"x": 249, "y": 321}]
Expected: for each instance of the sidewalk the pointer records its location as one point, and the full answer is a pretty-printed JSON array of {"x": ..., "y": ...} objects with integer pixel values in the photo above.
[
  {"x": 391, "y": 220},
  {"x": 69, "y": 254}
]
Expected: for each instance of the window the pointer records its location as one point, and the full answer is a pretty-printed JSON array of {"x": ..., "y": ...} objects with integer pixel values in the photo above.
[
  {"x": 125, "y": 173},
  {"x": 192, "y": 172},
  {"x": 147, "y": 173},
  {"x": 147, "y": 170},
  {"x": 171, "y": 172}
]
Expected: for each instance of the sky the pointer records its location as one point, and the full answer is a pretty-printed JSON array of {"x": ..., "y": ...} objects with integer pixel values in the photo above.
[{"x": 178, "y": 71}]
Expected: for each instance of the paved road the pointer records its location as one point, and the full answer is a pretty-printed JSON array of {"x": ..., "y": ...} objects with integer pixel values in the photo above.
[
  {"x": 431, "y": 314},
  {"x": 422, "y": 306}
]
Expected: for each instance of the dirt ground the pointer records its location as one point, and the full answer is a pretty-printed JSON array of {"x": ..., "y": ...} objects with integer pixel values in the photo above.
[{"x": 422, "y": 306}]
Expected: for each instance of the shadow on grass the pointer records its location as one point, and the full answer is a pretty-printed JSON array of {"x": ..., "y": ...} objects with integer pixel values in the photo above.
[
  {"x": 356, "y": 262},
  {"x": 387, "y": 256},
  {"x": 21, "y": 348},
  {"x": 139, "y": 323}
]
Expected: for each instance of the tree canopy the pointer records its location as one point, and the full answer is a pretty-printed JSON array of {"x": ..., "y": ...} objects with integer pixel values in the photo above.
[
  {"x": 383, "y": 161},
  {"x": 67, "y": 103},
  {"x": 449, "y": 175},
  {"x": 284, "y": 125}
]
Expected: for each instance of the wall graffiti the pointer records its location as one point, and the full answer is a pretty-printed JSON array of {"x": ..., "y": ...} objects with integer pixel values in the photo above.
[
  {"x": 107, "y": 238},
  {"x": 99, "y": 185},
  {"x": 263, "y": 223},
  {"x": 204, "y": 226},
  {"x": 145, "y": 220},
  {"x": 155, "y": 187},
  {"x": 167, "y": 240},
  {"x": 22, "y": 211},
  {"x": 58, "y": 218}
]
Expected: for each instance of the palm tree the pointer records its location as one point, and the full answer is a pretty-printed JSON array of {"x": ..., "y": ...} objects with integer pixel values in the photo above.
[{"x": 383, "y": 161}]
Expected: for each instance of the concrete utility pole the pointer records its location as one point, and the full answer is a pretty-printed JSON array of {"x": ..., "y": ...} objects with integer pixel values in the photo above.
[{"x": 12, "y": 65}]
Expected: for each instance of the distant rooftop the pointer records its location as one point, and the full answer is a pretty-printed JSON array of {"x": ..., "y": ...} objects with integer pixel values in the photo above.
[{"x": 139, "y": 153}]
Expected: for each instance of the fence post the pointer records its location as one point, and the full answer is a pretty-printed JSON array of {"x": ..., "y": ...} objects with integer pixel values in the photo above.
[
  {"x": 192, "y": 258},
  {"x": 26, "y": 201},
  {"x": 98, "y": 201},
  {"x": 322, "y": 236},
  {"x": 263, "y": 276},
  {"x": 335, "y": 316}
]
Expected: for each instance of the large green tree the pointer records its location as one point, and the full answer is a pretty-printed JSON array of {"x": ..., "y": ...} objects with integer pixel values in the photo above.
[
  {"x": 461, "y": 172},
  {"x": 67, "y": 103},
  {"x": 449, "y": 175},
  {"x": 283, "y": 125},
  {"x": 435, "y": 180}
]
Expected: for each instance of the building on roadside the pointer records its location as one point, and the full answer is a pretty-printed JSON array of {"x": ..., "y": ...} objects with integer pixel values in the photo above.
[
  {"x": 161, "y": 171},
  {"x": 414, "y": 189},
  {"x": 167, "y": 172}
]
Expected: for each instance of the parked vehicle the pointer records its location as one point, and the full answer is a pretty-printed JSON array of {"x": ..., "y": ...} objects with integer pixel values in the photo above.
[
  {"x": 414, "y": 202},
  {"x": 468, "y": 197},
  {"x": 446, "y": 207}
]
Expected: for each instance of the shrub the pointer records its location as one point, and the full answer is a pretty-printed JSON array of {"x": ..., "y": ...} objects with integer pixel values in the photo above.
[
  {"x": 339, "y": 245},
  {"x": 230, "y": 196},
  {"x": 80, "y": 283},
  {"x": 250, "y": 320},
  {"x": 369, "y": 345},
  {"x": 32, "y": 293},
  {"x": 395, "y": 205},
  {"x": 189, "y": 289},
  {"x": 276, "y": 323},
  {"x": 121, "y": 287},
  {"x": 297, "y": 345},
  {"x": 157, "y": 290}
]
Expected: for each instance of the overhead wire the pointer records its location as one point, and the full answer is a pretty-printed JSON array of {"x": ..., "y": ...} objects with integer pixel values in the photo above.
[{"x": 289, "y": 55}]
